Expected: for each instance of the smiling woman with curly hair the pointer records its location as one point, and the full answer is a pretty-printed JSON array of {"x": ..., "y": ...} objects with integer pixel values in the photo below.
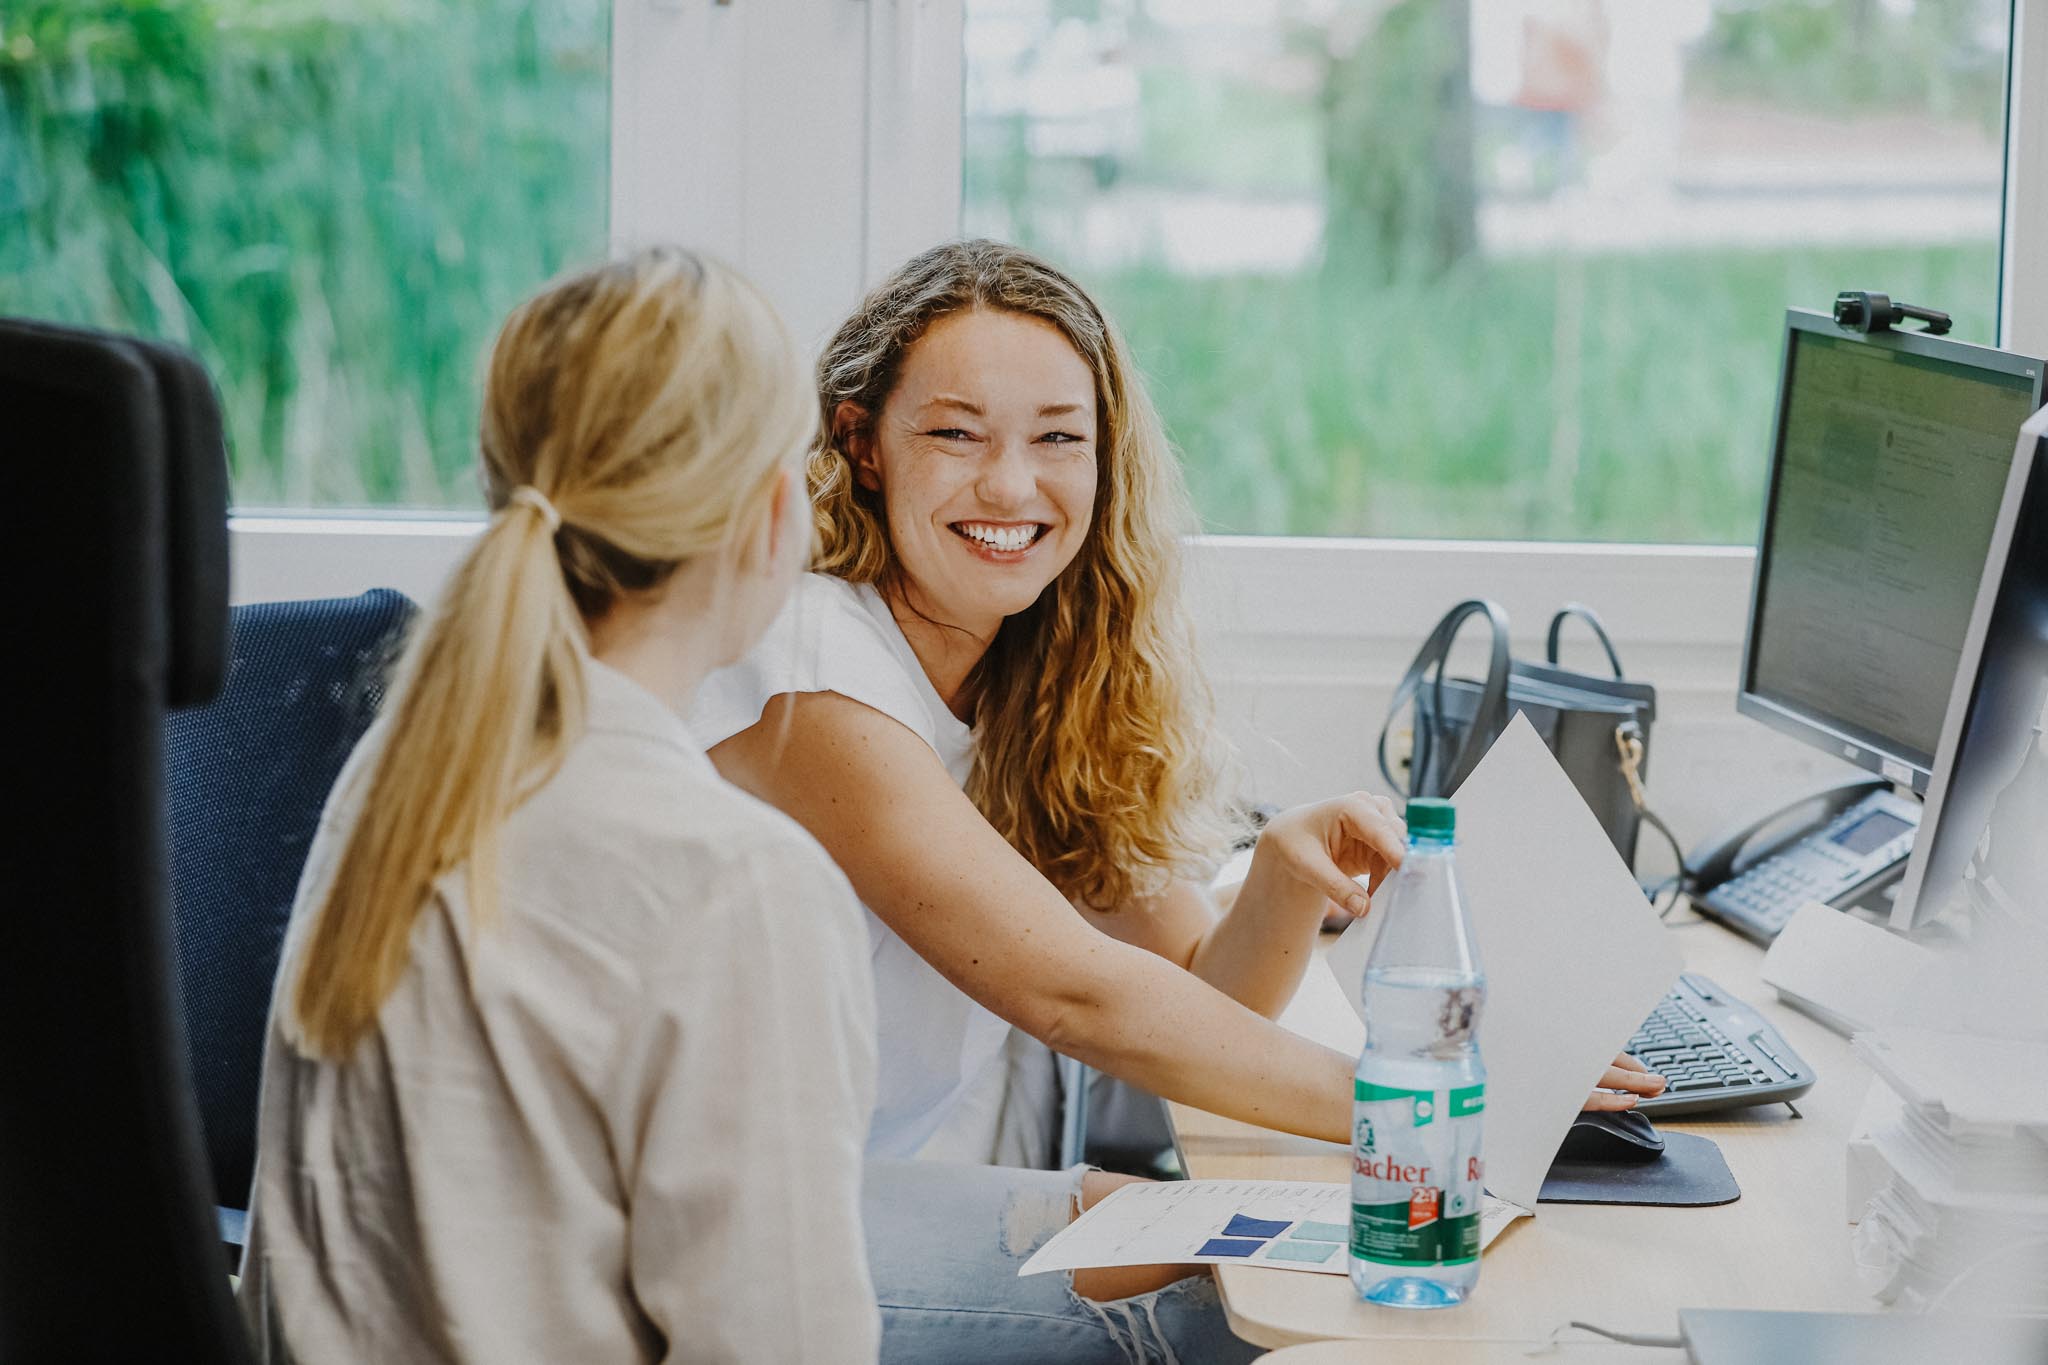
[{"x": 985, "y": 703}]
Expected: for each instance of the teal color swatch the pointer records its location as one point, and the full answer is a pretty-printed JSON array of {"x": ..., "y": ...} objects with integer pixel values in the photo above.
[
  {"x": 1315, "y": 1252},
  {"x": 1320, "y": 1232}
]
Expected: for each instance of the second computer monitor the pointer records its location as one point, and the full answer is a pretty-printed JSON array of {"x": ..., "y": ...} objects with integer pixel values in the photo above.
[
  {"x": 1998, "y": 694},
  {"x": 1891, "y": 458}
]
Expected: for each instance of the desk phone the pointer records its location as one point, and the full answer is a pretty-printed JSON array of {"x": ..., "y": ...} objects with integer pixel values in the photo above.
[{"x": 1855, "y": 852}]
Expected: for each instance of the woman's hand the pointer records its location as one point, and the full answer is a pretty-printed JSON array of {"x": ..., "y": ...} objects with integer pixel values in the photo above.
[
  {"x": 1627, "y": 1074},
  {"x": 1325, "y": 845},
  {"x": 1300, "y": 873}
]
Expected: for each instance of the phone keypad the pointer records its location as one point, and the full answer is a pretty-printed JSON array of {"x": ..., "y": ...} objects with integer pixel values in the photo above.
[{"x": 1762, "y": 899}]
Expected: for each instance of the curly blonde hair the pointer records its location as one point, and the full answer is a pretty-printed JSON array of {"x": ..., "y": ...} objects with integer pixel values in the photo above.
[{"x": 1096, "y": 753}]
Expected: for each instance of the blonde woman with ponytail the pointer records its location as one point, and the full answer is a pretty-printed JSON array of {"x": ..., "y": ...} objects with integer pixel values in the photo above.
[{"x": 572, "y": 1041}]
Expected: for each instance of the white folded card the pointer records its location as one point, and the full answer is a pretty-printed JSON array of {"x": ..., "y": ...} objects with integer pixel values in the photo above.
[{"x": 1575, "y": 958}]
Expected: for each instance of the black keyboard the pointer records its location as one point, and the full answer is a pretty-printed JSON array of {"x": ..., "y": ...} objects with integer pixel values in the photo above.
[{"x": 1715, "y": 1052}]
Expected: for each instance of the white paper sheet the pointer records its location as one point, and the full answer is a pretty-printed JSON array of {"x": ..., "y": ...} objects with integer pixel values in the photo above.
[
  {"x": 1978, "y": 1082},
  {"x": 1848, "y": 974},
  {"x": 1279, "y": 1224},
  {"x": 1575, "y": 958}
]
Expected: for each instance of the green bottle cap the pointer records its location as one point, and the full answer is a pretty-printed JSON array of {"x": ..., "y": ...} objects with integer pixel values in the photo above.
[{"x": 1432, "y": 817}]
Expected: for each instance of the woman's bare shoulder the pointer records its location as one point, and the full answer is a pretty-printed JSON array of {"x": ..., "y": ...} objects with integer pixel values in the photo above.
[{"x": 807, "y": 738}]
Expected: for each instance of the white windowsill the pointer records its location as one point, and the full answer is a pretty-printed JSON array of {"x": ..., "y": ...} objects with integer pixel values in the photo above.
[
  {"x": 1302, "y": 639},
  {"x": 1252, "y": 589}
]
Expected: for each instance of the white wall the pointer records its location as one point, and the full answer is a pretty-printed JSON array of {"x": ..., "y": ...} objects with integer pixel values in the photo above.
[
  {"x": 777, "y": 136},
  {"x": 2023, "y": 302},
  {"x": 1305, "y": 640},
  {"x": 742, "y": 129}
]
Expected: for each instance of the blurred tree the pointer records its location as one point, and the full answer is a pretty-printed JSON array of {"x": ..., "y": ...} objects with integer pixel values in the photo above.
[{"x": 1396, "y": 101}]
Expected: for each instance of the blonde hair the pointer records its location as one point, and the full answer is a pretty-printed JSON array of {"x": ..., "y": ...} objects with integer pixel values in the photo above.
[
  {"x": 1095, "y": 750},
  {"x": 648, "y": 405}
]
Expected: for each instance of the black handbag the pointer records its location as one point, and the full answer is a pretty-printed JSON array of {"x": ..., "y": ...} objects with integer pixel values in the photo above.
[{"x": 1599, "y": 728}]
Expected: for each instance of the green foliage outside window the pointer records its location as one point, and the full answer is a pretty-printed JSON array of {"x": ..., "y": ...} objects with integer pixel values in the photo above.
[
  {"x": 1403, "y": 380},
  {"x": 1442, "y": 408},
  {"x": 333, "y": 203}
]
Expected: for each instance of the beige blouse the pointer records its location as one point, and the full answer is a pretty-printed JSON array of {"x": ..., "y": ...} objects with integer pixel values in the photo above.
[{"x": 622, "y": 1122}]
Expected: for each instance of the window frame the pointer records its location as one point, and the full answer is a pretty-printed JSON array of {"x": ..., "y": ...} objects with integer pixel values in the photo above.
[
  {"x": 2023, "y": 275},
  {"x": 815, "y": 158}
]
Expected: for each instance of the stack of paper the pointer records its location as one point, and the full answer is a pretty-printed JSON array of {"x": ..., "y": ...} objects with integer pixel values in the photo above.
[{"x": 1959, "y": 1217}]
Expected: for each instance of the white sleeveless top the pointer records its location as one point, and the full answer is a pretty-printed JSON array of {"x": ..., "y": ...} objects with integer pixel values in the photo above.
[{"x": 943, "y": 1073}]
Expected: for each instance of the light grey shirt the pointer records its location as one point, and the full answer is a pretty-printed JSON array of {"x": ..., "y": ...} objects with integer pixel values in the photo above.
[{"x": 623, "y": 1121}]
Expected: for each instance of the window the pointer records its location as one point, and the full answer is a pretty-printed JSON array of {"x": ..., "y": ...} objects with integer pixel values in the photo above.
[
  {"x": 1490, "y": 268},
  {"x": 333, "y": 202}
]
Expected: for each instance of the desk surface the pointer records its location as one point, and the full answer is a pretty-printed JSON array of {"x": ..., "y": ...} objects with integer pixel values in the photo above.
[
  {"x": 1471, "y": 1353},
  {"x": 1784, "y": 1244}
]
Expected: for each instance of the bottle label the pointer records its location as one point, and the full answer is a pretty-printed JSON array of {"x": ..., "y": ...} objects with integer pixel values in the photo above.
[{"x": 1416, "y": 1174}]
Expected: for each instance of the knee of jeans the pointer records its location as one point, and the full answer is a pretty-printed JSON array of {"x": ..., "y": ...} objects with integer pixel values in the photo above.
[
  {"x": 1035, "y": 1212},
  {"x": 1187, "y": 1314}
]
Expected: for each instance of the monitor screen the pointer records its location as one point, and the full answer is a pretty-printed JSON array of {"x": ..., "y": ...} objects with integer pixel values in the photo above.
[{"x": 1890, "y": 466}]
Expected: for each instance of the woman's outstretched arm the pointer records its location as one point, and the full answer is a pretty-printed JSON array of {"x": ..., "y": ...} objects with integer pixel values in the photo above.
[{"x": 925, "y": 861}]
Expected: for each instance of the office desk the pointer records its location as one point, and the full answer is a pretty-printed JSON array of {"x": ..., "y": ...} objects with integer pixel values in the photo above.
[
  {"x": 1784, "y": 1244},
  {"x": 1471, "y": 1353}
]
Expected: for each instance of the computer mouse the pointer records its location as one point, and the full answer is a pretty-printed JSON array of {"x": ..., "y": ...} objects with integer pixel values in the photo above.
[{"x": 1611, "y": 1135}]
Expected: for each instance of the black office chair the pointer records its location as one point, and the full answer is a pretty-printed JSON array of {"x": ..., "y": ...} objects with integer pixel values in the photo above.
[
  {"x": 248, "y": 776},
  {"x": 115, "y": 562}
]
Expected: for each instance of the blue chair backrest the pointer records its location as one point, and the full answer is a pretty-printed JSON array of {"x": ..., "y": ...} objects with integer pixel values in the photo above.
[{"x": 248, "y": 775}]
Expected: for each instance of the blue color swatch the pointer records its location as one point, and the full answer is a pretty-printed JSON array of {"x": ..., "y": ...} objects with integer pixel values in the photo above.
[
  {"x": 1229, "y": 1246},
  {"x": 1241, "y": 1226},
  {"x": 1313, "y": 1252},
  {"x": 1320, "y": 1232}
]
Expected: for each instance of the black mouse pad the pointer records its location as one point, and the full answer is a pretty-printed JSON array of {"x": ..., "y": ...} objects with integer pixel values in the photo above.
[{"x": 1690, "y": 1171}]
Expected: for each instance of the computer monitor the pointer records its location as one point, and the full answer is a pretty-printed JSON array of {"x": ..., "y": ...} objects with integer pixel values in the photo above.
[
  {"x": 1892, "y": 455},
  {"x": 2000, "y": 686}
]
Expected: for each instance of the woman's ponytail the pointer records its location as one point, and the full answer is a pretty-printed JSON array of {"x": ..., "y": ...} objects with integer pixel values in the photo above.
[{"x": 486, "y": 704}]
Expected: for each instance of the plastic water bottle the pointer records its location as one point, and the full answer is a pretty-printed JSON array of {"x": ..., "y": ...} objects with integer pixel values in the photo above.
[{"x": 1419, "y": 1094}]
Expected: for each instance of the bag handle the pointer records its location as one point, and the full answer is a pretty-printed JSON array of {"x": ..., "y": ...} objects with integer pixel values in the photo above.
[
  {"x": 1586, "y": 614},
  {"x": 1434, "y": 654},
  {"x": 1628, "y": 744}
]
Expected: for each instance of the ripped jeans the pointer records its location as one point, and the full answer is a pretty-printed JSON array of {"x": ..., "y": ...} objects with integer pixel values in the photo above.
[{"x": 944, "y": 1246}]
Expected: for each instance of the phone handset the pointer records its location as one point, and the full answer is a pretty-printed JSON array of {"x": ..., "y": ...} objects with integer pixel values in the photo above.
[
  {"x": 1834, "y": 846},
  {"x": 1721, "y": 859}
]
